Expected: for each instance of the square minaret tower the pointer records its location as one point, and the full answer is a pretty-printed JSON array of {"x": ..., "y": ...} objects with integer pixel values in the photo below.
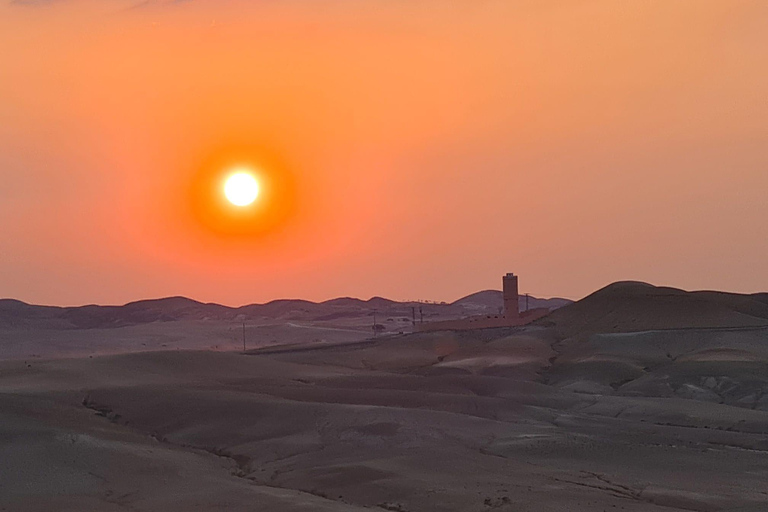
[{"x": 511, "y": 301}]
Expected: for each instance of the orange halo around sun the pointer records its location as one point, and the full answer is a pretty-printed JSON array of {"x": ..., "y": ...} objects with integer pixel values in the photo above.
[{"x": 242, "y": 193}]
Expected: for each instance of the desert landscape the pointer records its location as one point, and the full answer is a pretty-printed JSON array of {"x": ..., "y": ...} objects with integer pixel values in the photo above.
[
  {"x": 383, "y": 256},
  {"x": 635, "y": 398},
  {"x": 29, "y": 332}
]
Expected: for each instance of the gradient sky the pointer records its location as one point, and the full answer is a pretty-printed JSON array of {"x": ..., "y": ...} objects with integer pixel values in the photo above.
[{"x": 431, "y": 145}]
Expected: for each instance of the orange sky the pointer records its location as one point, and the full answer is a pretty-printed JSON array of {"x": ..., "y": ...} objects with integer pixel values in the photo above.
[{"x": 430, "y": 145}]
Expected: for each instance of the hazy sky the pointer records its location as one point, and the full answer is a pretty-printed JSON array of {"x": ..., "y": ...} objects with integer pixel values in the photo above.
[{"x": 429, "y": 146}]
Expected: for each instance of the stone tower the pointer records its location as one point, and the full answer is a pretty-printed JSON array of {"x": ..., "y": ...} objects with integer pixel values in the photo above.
[{"x": 511, "y": 305}]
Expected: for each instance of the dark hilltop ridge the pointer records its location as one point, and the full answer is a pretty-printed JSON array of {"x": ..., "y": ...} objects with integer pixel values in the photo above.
[
  {"x": 631, "y": 306},
  {"x": 14, "y": 313}
]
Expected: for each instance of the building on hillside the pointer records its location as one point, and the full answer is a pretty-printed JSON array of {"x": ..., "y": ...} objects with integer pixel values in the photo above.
[{"x": 511, "y": 317}]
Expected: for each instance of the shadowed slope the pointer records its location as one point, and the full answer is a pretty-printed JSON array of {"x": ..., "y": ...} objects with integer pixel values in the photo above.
[{"x": 633, "y": 306}]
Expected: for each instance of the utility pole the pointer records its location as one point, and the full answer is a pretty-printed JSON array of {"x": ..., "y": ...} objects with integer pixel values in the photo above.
[
  {"x": 375, "y": 333},
  {"x": 413, "y": 315},
  {"x": 421, "y": 313},
  {"x": 243, "y": 337}
]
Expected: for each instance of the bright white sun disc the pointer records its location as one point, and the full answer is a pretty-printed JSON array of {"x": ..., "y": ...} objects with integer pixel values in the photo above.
[{"x": 241, "y": 188}]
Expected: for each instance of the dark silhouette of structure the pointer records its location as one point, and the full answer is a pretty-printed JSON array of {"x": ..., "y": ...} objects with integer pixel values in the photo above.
[{"x": 511, "y": 296}]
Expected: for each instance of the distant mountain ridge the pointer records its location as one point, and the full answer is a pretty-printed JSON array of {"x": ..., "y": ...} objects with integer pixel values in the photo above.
[{"x": 18, "y": 314}]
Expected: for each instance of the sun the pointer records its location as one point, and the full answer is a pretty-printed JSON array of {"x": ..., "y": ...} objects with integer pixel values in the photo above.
[{"x": 241, "y": 188}]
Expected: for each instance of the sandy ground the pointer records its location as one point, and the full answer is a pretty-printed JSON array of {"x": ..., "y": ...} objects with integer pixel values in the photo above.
[
  {"x": 36, "y": 343},
  {"x": 446, "y": 421}
]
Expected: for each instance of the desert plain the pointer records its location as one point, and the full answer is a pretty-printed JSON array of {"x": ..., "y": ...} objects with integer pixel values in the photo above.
[{"x": 635, "y": 398}]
